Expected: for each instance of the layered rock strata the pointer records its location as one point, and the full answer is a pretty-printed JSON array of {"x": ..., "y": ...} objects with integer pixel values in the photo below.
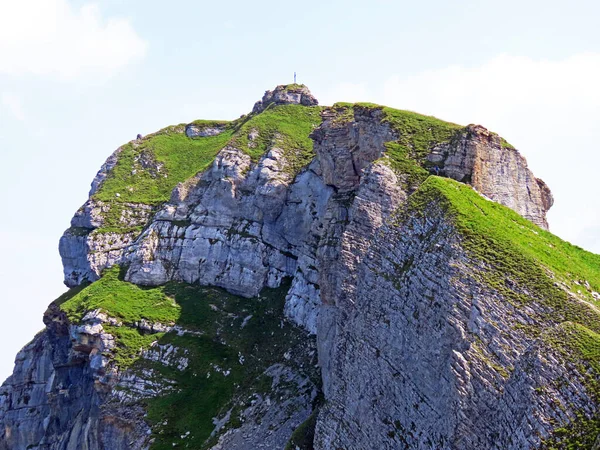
[{"x": 416, "y": 348}]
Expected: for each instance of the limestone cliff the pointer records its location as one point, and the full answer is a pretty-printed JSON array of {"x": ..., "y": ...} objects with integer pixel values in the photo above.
[{"x": 313, "y": 277}]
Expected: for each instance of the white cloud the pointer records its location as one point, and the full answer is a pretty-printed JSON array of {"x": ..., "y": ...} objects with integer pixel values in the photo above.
[
  {"x": 550, "y": 110},
  {"x": 347, "y": 92},
  {"x": 12, "y": 103},
  {"x": 502, "y": 88},
  {"x": 50, "y": 37}
]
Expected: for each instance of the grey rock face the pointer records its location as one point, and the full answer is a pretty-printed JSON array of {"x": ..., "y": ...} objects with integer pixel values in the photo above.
[
  {"x": 477, "y": 157},
  {"x": 270, "y": 420},
  {"x": 251, "y": 226},
  {"x": 417, "y": 353},
  {"x": 86, "y": 252},
  {"x": 237, "y": 227},
  {"x": 346, "y": 148}
]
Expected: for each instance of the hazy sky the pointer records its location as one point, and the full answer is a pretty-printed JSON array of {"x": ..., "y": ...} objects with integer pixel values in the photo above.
[{"x": 77, "y": 79}]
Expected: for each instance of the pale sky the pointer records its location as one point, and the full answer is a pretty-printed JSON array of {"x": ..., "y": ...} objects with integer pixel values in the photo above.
[{"x": 78, "y": 79}]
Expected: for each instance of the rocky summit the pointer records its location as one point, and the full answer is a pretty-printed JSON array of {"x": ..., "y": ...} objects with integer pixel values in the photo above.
[{"x": 309, "y": 277}]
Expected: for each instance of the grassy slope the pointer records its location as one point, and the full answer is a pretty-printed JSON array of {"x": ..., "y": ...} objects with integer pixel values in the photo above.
[
  {"x": 218, "y": 316},
  {"x": 181, "y": 156},
  {"x": 289, "y": 126},
  {"x": 521, "y": 257},
  {"x": 178, "y": 157},
  {"x": 136, "y": 179},
  {"x": 512, "y": 245},
  {"x": 418, "y": 134},
  {"x": 126, "y": 302}
]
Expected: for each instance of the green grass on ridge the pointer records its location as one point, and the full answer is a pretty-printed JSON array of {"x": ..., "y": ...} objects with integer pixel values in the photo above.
[
  {"x": 527, "y": 264},
  {"x": 512, "y": 244},
  {"x": 147, "y": 171},
  {"x": 418, "y": 134}
]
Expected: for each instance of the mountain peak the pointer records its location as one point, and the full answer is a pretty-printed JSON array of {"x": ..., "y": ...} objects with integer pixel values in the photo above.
[
  {"x": 286, "y": 94},
  {"x": 314, "y": 278}
]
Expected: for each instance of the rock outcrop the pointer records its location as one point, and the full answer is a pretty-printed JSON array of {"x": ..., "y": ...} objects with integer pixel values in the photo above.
[
  {"x": 427, "y": 338},
  {"x": 480, "y": 158},
  {"x": 291, "y": 94},
  {"x": 244, "y": 226}
]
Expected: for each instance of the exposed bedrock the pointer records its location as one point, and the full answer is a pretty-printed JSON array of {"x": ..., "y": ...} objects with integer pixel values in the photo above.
[
  {"x": 478, "y": 157},
  {"x": 417, "y": 352}
]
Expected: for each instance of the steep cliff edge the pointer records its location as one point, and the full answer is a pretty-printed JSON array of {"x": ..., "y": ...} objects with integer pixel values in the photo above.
[
  {"x": 466, "y": 327},
  {"x": 216, "y": 262}
]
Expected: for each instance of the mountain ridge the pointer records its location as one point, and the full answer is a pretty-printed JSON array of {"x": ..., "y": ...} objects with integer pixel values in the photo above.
[{"x": 406, "y": 309}]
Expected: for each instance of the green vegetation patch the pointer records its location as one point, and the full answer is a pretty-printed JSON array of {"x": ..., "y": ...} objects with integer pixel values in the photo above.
[
  {"x": 146, "y": 172},
  {"x": 303, "y": 437},
  {"x": 79, "y": 231},
  {"x": 505, "y": 144},
  {"x": 229, "y": 343},
  {"x": 287, "y": 126},
  {"x": 518, "y": 252},
  {"x": 212, "y": 123},
  {"x": 576, "y": 343},
  {"x": 293, "y": 87},
  {"x": 130, "y": 343},
  {"x": 240, "y": 339},
  {"x": 418, "y": 135},
  {"x": 580, "y": 346},
  {"x": 125, "y": 301}
]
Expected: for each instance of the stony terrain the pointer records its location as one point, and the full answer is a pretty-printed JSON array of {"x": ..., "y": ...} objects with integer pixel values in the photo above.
[{"x": 305, "y": 277}]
